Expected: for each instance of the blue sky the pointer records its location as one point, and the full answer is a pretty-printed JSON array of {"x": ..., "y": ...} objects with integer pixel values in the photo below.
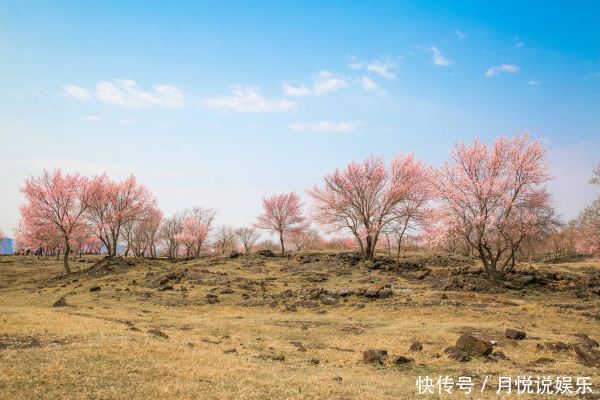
[{"x": 216, "y": 104}]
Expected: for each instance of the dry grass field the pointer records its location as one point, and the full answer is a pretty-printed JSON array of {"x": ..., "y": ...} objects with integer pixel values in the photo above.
[{"x": 278, "y": 328}]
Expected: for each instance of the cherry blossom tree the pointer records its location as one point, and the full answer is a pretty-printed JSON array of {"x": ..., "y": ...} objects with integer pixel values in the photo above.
[
  {"x": 363, "y": 198},
  {"x": 141, "y": 235},
  {"x": 305, "y": 238},
  {"x": 247, "y": 237},
  {"x": 494, "y": 197},
  {"x": 282, "y": 213},
  {"x": 197, "y": 225},
  {"x": 115, "y": 204},
  {"x": 55, "y": 203},
  {"x": 587, "y": 225}
]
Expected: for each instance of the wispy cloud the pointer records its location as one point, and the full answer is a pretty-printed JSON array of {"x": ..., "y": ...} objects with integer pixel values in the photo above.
[
  {"x": 461, "y": 35},
  {"x": 127, "y": 93},
  {"x": 504, "y": 68},
  {"x": 533, "y": 82},
  {"x": 438, "y": 58},
  {"x": 326, "y": 82},
  {"x": 91, "y": 118},
  {"x": 518, "y": 42},
  {"x": 76, "y": 93},
  {"x": 295, "y": 90},
  {"x": 382, "y": 67},
  {"x": 246, "y": 98},
  {"x": 368, "y": 83},
  {"x": 326, "y": 126}
]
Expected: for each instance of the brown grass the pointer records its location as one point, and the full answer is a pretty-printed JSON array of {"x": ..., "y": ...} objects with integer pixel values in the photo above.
[{"x": 88, "y": 350}]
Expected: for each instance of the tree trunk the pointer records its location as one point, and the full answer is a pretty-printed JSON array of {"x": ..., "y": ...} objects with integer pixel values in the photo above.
[
  {"x": 370, "y": 249},
  {"x": 398, "y": 252},
  {"x": 66, "y": 257},
  {"x": 281, "y": 241}
]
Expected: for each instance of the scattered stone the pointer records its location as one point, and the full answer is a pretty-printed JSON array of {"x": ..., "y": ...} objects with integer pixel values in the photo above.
[
  {"x": 374, "y": 356},
  {"x": 95, "y": 289},
  {"x": 278, "y": 357},
  {"x": 329, "y": 300},
  {"x": 401, "y": 360},
  {"x": 586, "y": 340},
  {"x": 558, "y": 346},
  {"x": 134, "y": 329},
  {"x": 515, "y": 334},
  {"x": 359, "y": 306},
  {"x": 373, "y": 291},
  {"x": 337, "y": 379},
  {"x": 62, "y": 302},
  {"x": 416, "y": 346},
  {"x": 157, "y": 333},
  {"x": 457, "y": 354},
  {"x": 230, "y": 351},
  {"x": 165, "y": 287},
  {"x": 543, "y": 360},
  {"x": 385, "y": 293},
  {"x": 315, "y": 361},
  {"x": 266, "y": 253},
  {"x": 539, "y": 346},
  {"x": 473, "y": 346},
  {"x": 299, "y": 346},
  {"x": 587, "y": 356}
]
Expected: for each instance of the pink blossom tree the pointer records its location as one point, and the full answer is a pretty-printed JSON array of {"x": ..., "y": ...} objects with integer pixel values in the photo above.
[
  {"x": 363, "y": 197},
  {"x": 197, "y": 225},
  {"x": 56, "y": 203},
  {"x": 112, "y": 205},
  {"x": 282, "y": 213},
  {"x": 494, "y": 197},
  {"x": 587, "y": 225}
]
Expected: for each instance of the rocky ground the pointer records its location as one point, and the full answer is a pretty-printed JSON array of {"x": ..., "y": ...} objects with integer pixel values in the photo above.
[{"x": 308, "y": 325}]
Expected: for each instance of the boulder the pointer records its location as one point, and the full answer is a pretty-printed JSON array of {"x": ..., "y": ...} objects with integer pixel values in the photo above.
[
  {"x": 586, "y": 340},
  {"x": 373, "y": 291},
  {"x": 374, "y": 356},
  {"x": 401, "y": 360},
  {"x": 515, "y": 334},
  {"x": 62, "y": 302},
  {"x": 95, "y": 289},
  {"x": 473, "y": 346},
  {"x": 385, "y": 293},
  {"x": 416, "y": 346},
  {"x": 587, "y": 356},
  {"x": 457, "y": 354},
  {"x": 158, "y": 334}
]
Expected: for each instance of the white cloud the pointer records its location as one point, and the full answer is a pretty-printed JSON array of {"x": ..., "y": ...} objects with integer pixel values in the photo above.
[
  {"x": 246, "y": 99},
  {"x": 461, "y": 35},
  {"x": 91, "y": 118},
  {"x": 497, "y": 69},
  {"x": 438, "y": 58},
  {"x": 533, "y": 82},
  {"x": 518, "y": 42},
  {"x": 368, "y": 83},
  {"x": 76, "y": 92},
  {"x": 326, "y": 82},
  {"x": 381, "y": 67},
  {"x": 295, "y": 90},
  {"x": 326, "y": 126},
  {"x": 127, "y": 121},
  {"x": 127, "y": 93}
]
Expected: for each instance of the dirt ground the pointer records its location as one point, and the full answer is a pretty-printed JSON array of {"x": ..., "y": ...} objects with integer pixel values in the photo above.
[{"x": 265, "y": 327}]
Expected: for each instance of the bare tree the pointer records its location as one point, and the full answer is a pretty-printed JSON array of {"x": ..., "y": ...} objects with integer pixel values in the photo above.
[
  {"x": 248, "y": 237},
  {"x": 224, "y": 239}
]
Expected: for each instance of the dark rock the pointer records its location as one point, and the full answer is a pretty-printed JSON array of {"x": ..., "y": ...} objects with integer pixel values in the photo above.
[
  {"x": 158, "y": 334},
  {"x": 337, "y": 379},
  {"x": 234, "y": 254},
  {"x": 62, "y": 302},
  {"x": 166, "y": 287},
  {"x": 587, "y": 356},
  {"x": 299, "y": 346},
  {"x": 401, "y": 360},
  {"x": 457, "y": 354},
  {"x": 226, "y": 290},
  {"x": 230, "y": 351},
  {"x": 473, "y": 346},
  {"x": 95, "y": 289},
  {"x": 315, "y": 361},
  {"x": 385, "y": 293},
  {"x": 586, "y": 340},
  {"x": 266, "y": 253},
  {"x": 558, "y": 346},
  {"x": 329, "y": 300},
  {"x": 278, "y": 357},
  {"x": 416, "y": 346},
  {"x": 539, "y": 346},
  {"x": 374, "y": 356},
  {"x": 359, "y": 306},
  {"x": 515, "y": 334},
  {"x": 373, "y": 291}
]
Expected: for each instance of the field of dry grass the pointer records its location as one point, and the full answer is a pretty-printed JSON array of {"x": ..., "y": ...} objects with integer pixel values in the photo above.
[{"x": 268, "y": 327}]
